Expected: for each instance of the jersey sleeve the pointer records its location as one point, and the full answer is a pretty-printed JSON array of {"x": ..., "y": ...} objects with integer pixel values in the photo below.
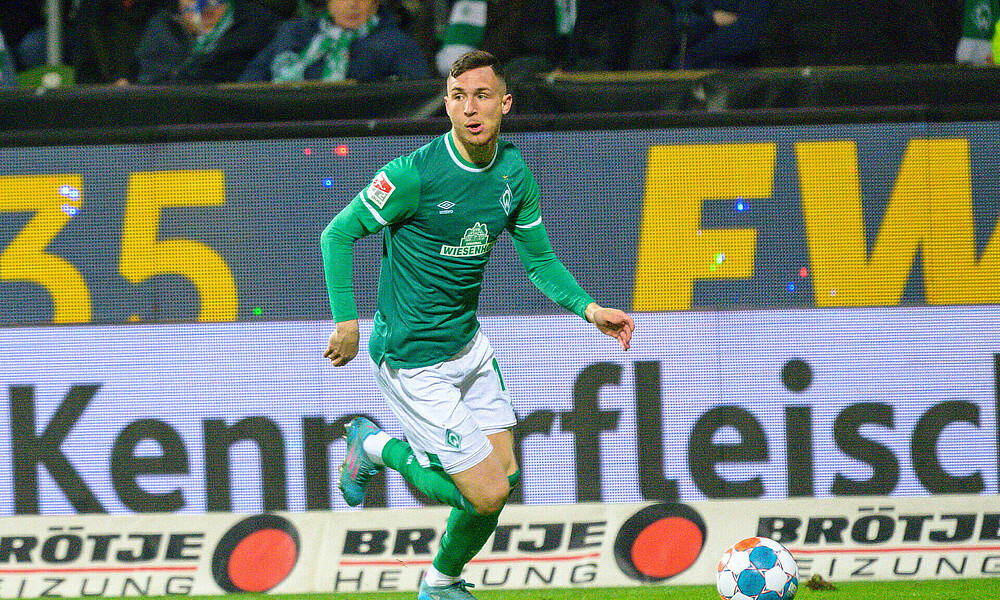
[
  {"x": 535, "y": 250},
  {"x": 392, "y": 196},
  {"x": 528, "y": 213}
]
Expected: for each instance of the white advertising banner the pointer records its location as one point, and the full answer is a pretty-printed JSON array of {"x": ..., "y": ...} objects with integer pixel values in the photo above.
[
  {"x": 245, "y": 417},
  {"x": 534, "y": 546},
  {"x": 610, "y": 545}
]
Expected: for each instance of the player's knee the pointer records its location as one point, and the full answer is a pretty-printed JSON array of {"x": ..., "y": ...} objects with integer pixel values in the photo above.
[
  {"x": 489, "y": 506},
  {"x": 491, "y": 501}
]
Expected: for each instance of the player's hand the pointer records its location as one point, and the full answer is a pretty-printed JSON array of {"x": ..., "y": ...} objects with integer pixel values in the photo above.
[
  {"x": 724, "y": 18},
  {"x": 343, "y": 343},
  {"x": 612, "y": 322}
]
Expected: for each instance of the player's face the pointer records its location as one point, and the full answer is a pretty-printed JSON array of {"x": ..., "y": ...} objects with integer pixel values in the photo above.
[
  {"x": 476, "y": 102},
  {"x": 351, "y": 14}
]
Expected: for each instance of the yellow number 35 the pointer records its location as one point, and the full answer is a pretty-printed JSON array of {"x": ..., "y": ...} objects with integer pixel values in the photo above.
[{"x": 55, "y": 199}]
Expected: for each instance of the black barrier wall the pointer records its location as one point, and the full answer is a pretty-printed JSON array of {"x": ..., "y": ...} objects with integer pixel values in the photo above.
[{"x": 27, "y": 115}]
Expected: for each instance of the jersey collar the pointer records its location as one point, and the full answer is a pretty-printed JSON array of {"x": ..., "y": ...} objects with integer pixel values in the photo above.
[{"x": 449, "y": 143}]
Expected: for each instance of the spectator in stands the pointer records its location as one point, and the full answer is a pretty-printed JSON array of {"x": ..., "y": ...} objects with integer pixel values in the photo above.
[
  {"x": 542, "y": 35},
  {"x": 8, "y": 72},
  {"x": 352, "y": 40},
  {"x": 17, "y": 19},
  {"x": 947, "y": 17},
  {"x": 580, "y": 35},
  {"x": 23, "y": 25},
  {"x": 719, "y": 34},
  {"x": 204, "y": 41},
  {"x": 464, "y": 32},
  {"x": 33, "y": 49},
  {"x": 699, "y": 34},
  {"x": 835, "y": 32},
  {"x": 107, "y": 36},
  {"x": 418, "y": 18},
  {"x": 978, "y": 28}
]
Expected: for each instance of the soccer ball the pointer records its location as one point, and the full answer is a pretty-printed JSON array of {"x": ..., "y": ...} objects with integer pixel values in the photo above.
[{"x": 757, "y": 568}]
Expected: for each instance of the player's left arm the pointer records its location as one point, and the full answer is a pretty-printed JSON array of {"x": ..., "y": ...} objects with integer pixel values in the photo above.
[{"x": 551, "y": 276}]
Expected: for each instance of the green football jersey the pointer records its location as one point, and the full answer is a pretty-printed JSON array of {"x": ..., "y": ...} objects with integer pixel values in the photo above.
[{"x": 440, "y": 216}]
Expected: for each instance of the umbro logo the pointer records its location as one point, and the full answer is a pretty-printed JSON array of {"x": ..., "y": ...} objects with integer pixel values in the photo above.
[{"x": 446, "y": 207}]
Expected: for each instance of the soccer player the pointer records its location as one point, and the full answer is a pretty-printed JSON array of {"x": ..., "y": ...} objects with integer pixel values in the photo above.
[{"x": 442, "y": 209}]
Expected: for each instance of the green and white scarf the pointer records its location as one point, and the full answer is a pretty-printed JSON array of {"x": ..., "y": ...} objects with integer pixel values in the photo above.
[
  {"x": 206, "y": 42},
  {"x": 467, "y": 25},
  {"x": 467, "y": 21},
  {"x": 980, "y": 18},
  {"x": 565, "y": 16},
  {"x": 330, "y": 44},
  {"x": 978, "y": 29}
]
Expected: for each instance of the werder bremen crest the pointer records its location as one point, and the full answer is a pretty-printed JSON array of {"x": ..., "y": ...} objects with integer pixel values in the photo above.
[
  {"x": 506, "y": 198},
  {"x": 475, "y": 242}
]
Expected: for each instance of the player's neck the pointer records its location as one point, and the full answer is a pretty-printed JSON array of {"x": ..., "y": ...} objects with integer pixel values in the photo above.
[{"x": 477, "y": 155}]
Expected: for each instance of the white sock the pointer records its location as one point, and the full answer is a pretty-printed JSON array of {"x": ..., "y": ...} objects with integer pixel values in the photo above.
[
  {"x": 373, "y": 445},
  {"x": 436, "y": 578}
]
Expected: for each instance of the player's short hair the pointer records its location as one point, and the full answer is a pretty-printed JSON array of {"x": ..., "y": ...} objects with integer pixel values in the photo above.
[{"x": 474, "y": 60}]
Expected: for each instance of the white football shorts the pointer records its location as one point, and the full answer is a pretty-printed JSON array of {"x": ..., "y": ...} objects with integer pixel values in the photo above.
[{"x": 449, "y": 408}]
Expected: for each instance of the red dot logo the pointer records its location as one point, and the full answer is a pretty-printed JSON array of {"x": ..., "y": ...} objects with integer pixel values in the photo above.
[
  {"x": 659, "y": 542},
  {"x": 256, "y": 554}
]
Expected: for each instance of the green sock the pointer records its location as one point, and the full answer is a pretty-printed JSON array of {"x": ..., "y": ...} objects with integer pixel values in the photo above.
[
  {"x": 465, "y": 535},
  {"x": 435, "y": 483}
]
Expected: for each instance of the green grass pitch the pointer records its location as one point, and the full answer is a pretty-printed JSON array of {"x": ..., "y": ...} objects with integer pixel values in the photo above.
[{"x": 950, "y": 589}]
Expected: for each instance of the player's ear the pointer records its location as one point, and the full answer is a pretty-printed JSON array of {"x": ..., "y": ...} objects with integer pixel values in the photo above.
[{"x": 507, "y": 101}]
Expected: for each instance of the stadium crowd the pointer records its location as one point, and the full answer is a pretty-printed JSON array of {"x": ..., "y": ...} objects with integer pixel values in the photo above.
[{"x": 139, "y": 42}]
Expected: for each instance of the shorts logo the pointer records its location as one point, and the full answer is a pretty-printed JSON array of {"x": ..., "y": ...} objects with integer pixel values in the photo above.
[
  {"x": 380, "y": 189},
  {"x": 452, "y": 439},
  {"x": 506, "y": 198},
  {"x": 475, "y": 242}
]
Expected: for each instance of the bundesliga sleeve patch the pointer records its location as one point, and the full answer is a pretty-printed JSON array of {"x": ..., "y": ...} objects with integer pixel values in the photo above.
[{"x": 380, "y": 190}]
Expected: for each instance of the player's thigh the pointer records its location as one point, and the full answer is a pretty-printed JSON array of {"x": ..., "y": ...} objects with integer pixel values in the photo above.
[
  {"x": 484, "y": 390},
  {"x": 440, "y": 428},
  {"x": 485, "y": 393},
  {"x": 503, "y": 447}
]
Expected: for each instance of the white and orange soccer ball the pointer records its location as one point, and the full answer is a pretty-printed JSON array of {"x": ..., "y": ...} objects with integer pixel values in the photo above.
[{"x": 757, "y": 568}]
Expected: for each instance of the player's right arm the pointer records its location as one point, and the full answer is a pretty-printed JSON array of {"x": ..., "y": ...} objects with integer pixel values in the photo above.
[{"x": 392, "y": 196}]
